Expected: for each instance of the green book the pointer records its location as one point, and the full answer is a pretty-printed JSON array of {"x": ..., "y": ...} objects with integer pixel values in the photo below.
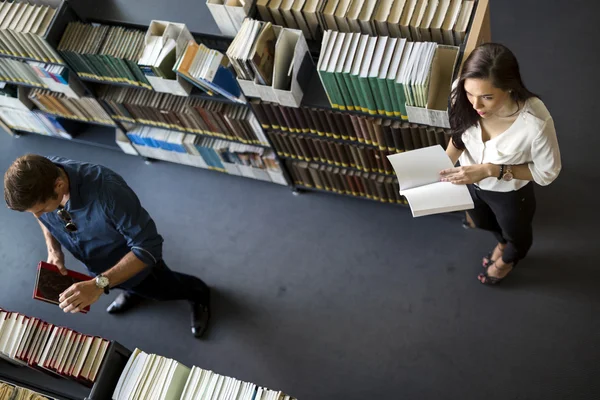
[
  {"x": 382, "y": 77},
  {"x": 364, "y": 76},
  {"x": 329, "y": 86},
  {"x": 391, "y": 76},
  {"x": 347, "y": 70},
  {"x": 373, "y": 75},
  {"x": 402, "y": 76},
  {"x": 331, "y": 69},
  {"x": 339, "y": 69},
  {"x": 355, "y": 73}
]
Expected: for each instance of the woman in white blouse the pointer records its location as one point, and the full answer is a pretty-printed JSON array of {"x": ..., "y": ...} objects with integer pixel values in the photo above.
[{"x": 504, "y": 138}]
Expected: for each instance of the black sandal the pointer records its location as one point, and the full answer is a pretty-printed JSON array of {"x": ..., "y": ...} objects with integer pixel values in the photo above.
[
  {"x": 487, "y": 260},
  {"x": 492, "y": 280}
]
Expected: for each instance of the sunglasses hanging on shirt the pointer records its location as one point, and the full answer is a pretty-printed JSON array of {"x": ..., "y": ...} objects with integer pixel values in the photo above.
[{"x": 66, "y": 217}]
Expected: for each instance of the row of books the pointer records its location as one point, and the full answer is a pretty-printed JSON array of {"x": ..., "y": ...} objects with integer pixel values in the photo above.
[
  {"x": 366, "y": 159},
  {"x": 375, "y": 75},
  {"x": 33, "y": 121},
  {"x": 12, "y": 392},
  {"x": 348, "y": 182},
  {"x": 32, "y": 73},
  {"x": 17, "y": 72},
  {"x": 395, "y": 136},
  {"x": 82, "y": 109},
  {"x": 441, "y": 21},
  {"x": 216, "y": 154},
  {"x": 252, "y": 52},
  {"x": 208, "y": 70},
  {"x": 190, "y": 114},
  {"x": 59, "y": 350},
  {"x": 146, "y": 374},
  {"x": 22, "y": 28},
  {"x": 271, "y": 62},
  {"x": 57, "y": 78},
  {"x": 106, "y": 53}
]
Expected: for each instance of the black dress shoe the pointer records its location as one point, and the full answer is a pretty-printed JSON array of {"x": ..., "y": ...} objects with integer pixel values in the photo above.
[
  {"x": 123, "y": 302},
  {"x": 200, "y": 318}
]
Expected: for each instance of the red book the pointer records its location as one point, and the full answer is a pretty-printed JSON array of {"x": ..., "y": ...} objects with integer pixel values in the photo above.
[{"x": 50, "y": 283}]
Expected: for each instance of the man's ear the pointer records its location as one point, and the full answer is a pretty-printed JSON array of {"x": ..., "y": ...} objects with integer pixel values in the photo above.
[{"x": 60, "y": 186}]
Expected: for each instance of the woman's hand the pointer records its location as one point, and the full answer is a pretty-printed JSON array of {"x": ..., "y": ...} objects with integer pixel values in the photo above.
[{"x": 467, "y": 174}]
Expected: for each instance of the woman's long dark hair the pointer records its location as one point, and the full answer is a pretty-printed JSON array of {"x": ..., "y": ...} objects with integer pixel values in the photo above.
[{"x": 491, "y": 61}]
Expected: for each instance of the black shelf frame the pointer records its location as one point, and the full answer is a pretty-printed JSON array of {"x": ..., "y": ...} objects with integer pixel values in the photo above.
[
  {"x": 24, "y": 84},
  {"x": 113, "y": 125},
  {"x": 22, "y": 58},
  {"x": 97, "y": 136}
]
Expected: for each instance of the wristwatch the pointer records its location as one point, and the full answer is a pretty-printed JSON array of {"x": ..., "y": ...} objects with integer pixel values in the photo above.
[
  {"x": 507, "y": 176},
  {"x": 501, "y": 174},
  {"x": 103, "y": 283}
]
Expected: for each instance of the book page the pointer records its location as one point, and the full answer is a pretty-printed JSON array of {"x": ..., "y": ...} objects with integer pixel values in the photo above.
[
  {"x": 438, "y": 197},
  {"x": 419, "y": 167}
]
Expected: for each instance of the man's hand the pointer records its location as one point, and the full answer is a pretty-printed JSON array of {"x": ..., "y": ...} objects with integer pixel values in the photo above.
[
  {"x": 57, "y": 258},
  {"x": 79, "y": 296},
  {"x": 467, "y": 174}
]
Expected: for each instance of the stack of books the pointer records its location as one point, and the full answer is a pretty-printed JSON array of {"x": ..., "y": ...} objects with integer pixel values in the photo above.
[
  {"x": 58, "y": 350},
  {"x": 16, "y": 72},
  {"x": 189, "y": 114},
  {"x": 11, "y": 392},
  {"x": 376, "y": 75},
  {"x": 209, "y": 70},
  {"x": 22, "y": 28},
  {"x": 252, "y": 52},
  {"x": 83, "y": 109},
  {"x": 395, "y": 136},
  {"x": 216, "y": 154},
  {"x": 348, "y": 182},
  {"x": 441, "y": 21},
  {"x": 105, "y": 53},
  {"x": 174, "y": 380},
  {"x": 158, "y": 57},
  {"x": 33, "y": 121},
  {"x": 57, "y": 79},
  {"x": 271, "y": 62}
]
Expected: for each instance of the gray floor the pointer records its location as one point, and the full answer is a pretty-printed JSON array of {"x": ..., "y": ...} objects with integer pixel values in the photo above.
[{"x": 334, "y": 298}]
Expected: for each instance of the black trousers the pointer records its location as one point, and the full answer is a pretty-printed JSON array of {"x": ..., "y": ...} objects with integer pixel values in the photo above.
[
  {"x": 162, "y": 284},
  {"x": 508, "y": 215}
]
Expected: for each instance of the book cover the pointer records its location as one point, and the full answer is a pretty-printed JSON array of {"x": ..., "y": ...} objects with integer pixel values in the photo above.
[{"x": 50, "y": 283}]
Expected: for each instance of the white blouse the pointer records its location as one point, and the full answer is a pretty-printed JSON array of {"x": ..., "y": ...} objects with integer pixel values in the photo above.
[{"x": 531, "y": 140}]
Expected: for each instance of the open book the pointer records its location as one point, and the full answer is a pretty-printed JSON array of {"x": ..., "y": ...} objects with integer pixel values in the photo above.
[
  {"x": 418, "y": 174},
  {"x": 49, "y": 283}
]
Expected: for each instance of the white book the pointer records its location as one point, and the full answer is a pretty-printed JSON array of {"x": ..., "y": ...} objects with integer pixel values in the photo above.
[{"x": 418, "y": 173}]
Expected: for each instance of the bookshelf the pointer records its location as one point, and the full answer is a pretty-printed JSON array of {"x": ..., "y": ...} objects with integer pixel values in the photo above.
[
  {"x": 315, "y": 97},
  {"x": 64, "y": 389},
  {"x": 478, "y": 32},
  {"x": 111, "y": 136}
]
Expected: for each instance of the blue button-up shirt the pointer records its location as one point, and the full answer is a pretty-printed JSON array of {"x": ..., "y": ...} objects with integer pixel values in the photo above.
[{"x": 110, "y": 220}]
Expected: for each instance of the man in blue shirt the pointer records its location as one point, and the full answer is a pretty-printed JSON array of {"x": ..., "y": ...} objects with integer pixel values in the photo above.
[{"x": 92, "y": 212}]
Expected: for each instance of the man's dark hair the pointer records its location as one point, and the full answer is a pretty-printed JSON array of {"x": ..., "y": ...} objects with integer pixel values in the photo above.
[{"x": 29, "y": 181}]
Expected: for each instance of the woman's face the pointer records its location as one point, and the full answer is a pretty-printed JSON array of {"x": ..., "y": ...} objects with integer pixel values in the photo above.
[{"x": 486, "y": 99}]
